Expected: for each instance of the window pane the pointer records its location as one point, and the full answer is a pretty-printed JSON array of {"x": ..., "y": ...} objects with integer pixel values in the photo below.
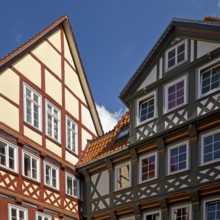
[
  {"x": 69, "y": 186},
  {"x": 27, "y": 165},
  {"x": 2, "y": 153}
]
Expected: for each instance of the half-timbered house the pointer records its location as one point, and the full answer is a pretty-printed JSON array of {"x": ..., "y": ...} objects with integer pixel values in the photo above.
[
  {"x": 47, "y": 114},
  {"x": 162, "y": 159}
]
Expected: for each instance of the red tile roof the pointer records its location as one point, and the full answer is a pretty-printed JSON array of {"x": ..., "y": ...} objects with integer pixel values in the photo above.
[
  {"x": 108, "y": 143},
  {"x": 211, "y": 18}
]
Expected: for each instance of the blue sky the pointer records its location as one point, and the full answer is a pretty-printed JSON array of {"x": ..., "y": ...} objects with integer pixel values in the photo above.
[{"x": 113, "y": 36}]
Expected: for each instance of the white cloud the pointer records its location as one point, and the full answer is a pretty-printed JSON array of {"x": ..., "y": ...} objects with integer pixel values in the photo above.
[
  {"x": 18, "y": 38},
  {"x": 107, "y": 118},
  {"x": 219, "y": 4}
]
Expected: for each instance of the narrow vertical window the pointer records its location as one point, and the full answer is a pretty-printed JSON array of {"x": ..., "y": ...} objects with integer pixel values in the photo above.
[
  {"x": 32, "y": 107},
  {"x": 51, "y": 175},
  {"x": 72, "y": 186},
  {"x": 181, "y": 212},
  {"x": 71, "y": 135},
  {"x": 52, "y": 121}
]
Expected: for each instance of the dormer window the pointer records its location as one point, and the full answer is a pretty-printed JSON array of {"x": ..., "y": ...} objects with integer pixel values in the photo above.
[
  {"x": 176, "y": 54},
  {"x": 146, "y": 108}
]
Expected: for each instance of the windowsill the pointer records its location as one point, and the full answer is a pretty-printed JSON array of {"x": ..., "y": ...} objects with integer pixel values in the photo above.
[
  {"x": 167, "y": 70},
  {"x": 147, "y": 181},
  {"x": 32, "y": 127},
  {"x": 53, "y": 140},
  {"x": 146, "y": 121},
  {"x": 174, "y": 109},
  {"x": 52, "y": 188},
  {"x": 210, "y": 163},
  {"x": 30, "y": 179},
  {"x": 71, "y": 197},
  {"x": 178, "y": 172},
  {"x": 201, "y": 96},
  {"x": 117, "y": 190},
  {"x": 71, "y": 152},
  {"x": 8, "y": 170}
]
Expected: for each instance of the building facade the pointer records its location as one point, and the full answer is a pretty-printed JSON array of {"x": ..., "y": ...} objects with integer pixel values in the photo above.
[
  {"x": 162, "y": 159},
  {"x": 47, "y": 114}
]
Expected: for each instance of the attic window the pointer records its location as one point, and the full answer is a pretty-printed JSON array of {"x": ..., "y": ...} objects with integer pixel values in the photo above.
[
  {"x": 123, "y": 132},
  {"x": 176, "y": 54}
]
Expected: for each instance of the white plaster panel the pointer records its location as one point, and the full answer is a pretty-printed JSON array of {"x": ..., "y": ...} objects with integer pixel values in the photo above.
[
  {"x": 53, "y": 87},
  {"x": 85, "y": 136},
  {"x": 71, "y": 158},
  {"x": 33, "y": 135},
  {"x": 160, "y": 68},
  {"x": 72, "y": 81},
  {"x": 103, "y": 184},
  {"x": 55, "y": 39},
  {"x": 67, "y": 53},
  {"x": 49, "y": 56},
  {"x": 53, "y": 148},
  {"x": 192, "y": 50},
  {"x": 205, "y": 47},
  {"x": 87, "y": 119},
  {"x": 9, "y": 114},
  {"x": 9, "y": 85},
  {"x": 72, "y": 104},
  {"x": 30, "y": 68},
  {"x": 151, "y": 78}
]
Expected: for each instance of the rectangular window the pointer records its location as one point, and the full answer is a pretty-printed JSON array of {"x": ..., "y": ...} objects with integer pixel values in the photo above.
[
  {"x": 152, "y": 216},
  {"x": 212, "y": 210},
  {"x": 181, "y": 213},
  {"x": 123, "y": 176},
  {"x": 71, "y": 135},
  {"x": 51, "y": 175},
  {"x": 147, "y": 108},
  {"x": 32, "y": 107},
  {"x": 72, "y": 186},
  {"x": 17, "y": 213},
  {"x": 147, "y": 167},
  {"x": 52, "y": 121},
  {"x": 209, "y": 79},
  {"x": 176, "y": 54},
  {"x": 175, "y": 94},
  {"x": 178, "y": 158},
  {"x": 40, "y": 216},
  {"x": 211, "y": 147},
  {"x": 8, "y": 155},
  {"x": 31, "y": 166}
]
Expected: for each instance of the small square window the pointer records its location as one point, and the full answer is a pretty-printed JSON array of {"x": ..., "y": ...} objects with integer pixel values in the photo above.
[
  {"x": 147, "y": 108},
  {"x": 210, "y": 147},
  {"x": 181, "y": 212},
  {"x": 41, "y": 216},
  {"x": 175, "y": 94},
  {"x": 72, "y": 186},
  {"x": 51, "y": 175},
  {"x": 176, "y": 54},
  {"x": 123, "y": 176},
  {"x": 8, "y": 155},
  {"x": 178, "y": 158},
  {"x": 147, "y": 167}
]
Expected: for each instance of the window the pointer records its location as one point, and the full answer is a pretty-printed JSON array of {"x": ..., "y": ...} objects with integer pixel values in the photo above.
[
  {"x": 52, "y": 121},
  {"x": 51, "y": 175},
  {"x": 31, "y": 166},
  {"x": 123, "y": 176},
  {"x": 178, "y": 158},
  {"x": 72, "y": 186},
  {"x": 212, "y": 210},
  {"x": 176, "y": 54},
  {"x": 17, "y": 213},
  {"x": 152, "y": 216},
  {"x": 146, "y": 108},
  {"x": 32, "y": 107},
  {"x": 8, "y": 155},
  {"x": 181, "y": 213},
  {"x": 211, "y": 147},
  {"x": 148, "y": 167},
  {"x": 175, "y": 94},
  {"x": 127, "y": 218},
  {"x": 71, "y": 135},
  {"x": 209, "y": 79},
  {"x": 40, "y": 216}
]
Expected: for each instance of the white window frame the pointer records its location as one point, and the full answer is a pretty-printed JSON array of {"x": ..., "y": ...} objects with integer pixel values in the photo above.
[
  {"x": 202, "y": 147},
  {"x": 72, "y": 131},
  {"x": 145, "y": 214},
  {"x": 175, "y": 47},
  {"x": 140, "y": 167},
  {"x": 180, "y": 207},
  {"x": 187, "y": 157},
  {"x": 117, "y": 167},
  {"x": 57, "y": 176},
  {"x": 31, "y": 158},
  {"x": 205, "y": 202},
  {"x": 184, "y": 78},
  {"x": 8, "y": 144},
  {"x": 143, "y": 99},
  {"x": 208, "y": 66},
  {"x": 39, "y": 104},
  {"x": 78, "y": 185},
  {"x": 53, "y": 117},
  {"x": 18, "y": 208},
  {"x": 127, "y": 218},
  {"x": 39, "y": 214}
]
